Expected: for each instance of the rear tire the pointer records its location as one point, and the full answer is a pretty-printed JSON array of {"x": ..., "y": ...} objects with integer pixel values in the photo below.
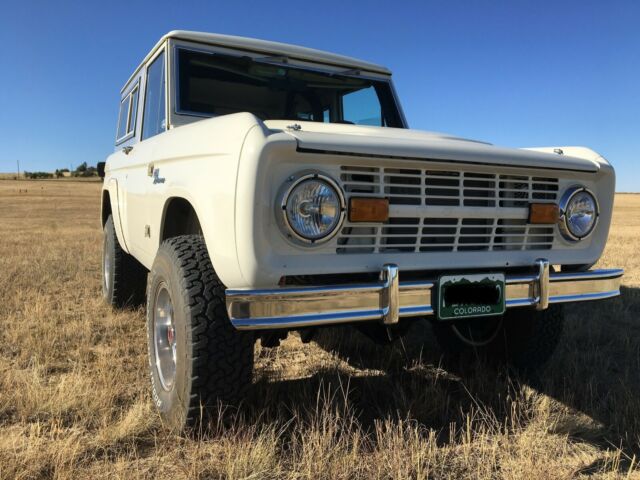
[
  {"x": 124, "y": 279},
  {"x": 522, "y": 338},
  {"x": 212, "y": 361}
]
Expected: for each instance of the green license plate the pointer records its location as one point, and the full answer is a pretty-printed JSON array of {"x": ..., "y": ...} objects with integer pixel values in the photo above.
[{"x": 475, "y": 295}]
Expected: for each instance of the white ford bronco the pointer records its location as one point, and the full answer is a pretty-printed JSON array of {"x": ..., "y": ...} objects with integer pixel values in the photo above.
[{"x": 259, "y": 188}]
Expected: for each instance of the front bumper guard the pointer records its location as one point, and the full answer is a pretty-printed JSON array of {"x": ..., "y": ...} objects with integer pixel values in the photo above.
[{"x": 388, "y": 300}]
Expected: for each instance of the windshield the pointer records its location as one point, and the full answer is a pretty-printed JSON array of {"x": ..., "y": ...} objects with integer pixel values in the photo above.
[{"x": 215, "y": 84}]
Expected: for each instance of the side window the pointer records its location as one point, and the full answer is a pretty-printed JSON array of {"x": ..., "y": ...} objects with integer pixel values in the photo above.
[
  {"x": 154, "y": 121},
  {"x": 362, "y": 107},
  {"x": 123, "y": 117},
  {"x": 127, "y": 115},
  {"x": 134, "y": 111}
]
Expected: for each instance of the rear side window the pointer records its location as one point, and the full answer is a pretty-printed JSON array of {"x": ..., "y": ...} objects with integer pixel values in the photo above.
[
  {"x": 123, "y": 118},
  {"x": 154, "y": 121},
  {"x": 127, "y": 115},
  {"x": 134, "y": 111}
]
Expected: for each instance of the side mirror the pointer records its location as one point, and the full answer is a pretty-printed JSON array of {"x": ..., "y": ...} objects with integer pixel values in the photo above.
[{"x": 100, "y": 167}]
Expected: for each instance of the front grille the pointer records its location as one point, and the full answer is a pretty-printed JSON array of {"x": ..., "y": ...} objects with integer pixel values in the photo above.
[
  {"x": 465, "y": 189},
  {"x": 448, "y": 225}
]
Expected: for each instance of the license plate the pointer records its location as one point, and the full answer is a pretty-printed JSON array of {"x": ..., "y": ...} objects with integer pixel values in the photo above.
[{"x": 475, "y": 295}]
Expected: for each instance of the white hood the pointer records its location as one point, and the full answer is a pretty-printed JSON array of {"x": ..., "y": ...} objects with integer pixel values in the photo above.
[{"x": 420, "y": 145}]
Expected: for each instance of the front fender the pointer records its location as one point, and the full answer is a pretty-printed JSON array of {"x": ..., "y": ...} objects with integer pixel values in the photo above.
[
  {"x": 199, "y": 162},
  {"x": 111, "y": 186}
]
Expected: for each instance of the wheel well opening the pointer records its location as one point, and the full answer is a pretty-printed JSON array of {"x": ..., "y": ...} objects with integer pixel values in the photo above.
[
  {"x": 180, "y": 218},
  {"x": 106, "y": 206}
]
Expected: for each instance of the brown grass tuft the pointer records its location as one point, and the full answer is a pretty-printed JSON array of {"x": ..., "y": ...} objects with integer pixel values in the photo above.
[{"x": 74, "y": 399}]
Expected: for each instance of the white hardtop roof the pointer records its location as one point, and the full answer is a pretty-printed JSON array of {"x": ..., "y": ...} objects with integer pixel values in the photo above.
[{"x": 268, "y": 47}]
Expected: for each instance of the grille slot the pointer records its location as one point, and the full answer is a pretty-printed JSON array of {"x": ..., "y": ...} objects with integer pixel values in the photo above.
[
  {"x": 453, "y": 231},
  {"x": 446, "y": 235},
  {"x": 444, "y": 188}
]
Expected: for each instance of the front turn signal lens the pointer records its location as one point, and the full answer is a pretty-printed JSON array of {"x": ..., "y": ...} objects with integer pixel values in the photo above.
[
  {"x": 368, "y": 209},
  {"x": 543, "y": 213}
]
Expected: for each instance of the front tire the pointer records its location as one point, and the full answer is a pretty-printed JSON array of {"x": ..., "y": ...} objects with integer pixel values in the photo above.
[
  {"x": 124, "y": 279},
  {"x": 197, "y": 359},
  {"x": 522, "y": 338}
]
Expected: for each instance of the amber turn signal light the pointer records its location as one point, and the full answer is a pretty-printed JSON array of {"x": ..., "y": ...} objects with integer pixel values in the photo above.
[
  {"x": 368, "y": 209},
  {"x": 543, "y": 213}
]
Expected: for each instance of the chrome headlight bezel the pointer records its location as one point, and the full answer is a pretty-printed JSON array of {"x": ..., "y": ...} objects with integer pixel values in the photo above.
[
  {"x": 285, "y": 193},
  {"x": 563, "y": 222}
]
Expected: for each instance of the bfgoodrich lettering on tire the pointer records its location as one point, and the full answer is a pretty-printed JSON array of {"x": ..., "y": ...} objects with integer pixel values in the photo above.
[{"x": 197, "y": 359}]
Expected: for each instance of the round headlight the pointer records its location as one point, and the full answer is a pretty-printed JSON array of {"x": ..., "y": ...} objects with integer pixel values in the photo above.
[
  {"x": 313, "y": 208},
  {"x": 579, "y": 213}
]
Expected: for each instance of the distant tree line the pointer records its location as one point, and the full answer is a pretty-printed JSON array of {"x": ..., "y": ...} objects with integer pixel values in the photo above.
[
  {"x": 83, "y": 170},
  {"x": 34, "y": 175}
]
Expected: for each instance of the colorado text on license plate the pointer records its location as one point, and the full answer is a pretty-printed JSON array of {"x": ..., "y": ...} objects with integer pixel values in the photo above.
[{"x": 473, "y": 295}]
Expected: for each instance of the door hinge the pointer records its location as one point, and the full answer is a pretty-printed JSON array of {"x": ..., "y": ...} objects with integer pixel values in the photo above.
[{"x": 147, "y": 231}]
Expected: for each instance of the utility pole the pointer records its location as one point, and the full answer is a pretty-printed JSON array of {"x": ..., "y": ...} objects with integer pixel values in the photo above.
[{"x": 18, "y": 168}]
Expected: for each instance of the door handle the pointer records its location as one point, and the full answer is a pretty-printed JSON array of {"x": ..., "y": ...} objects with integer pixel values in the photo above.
[{"x": 127, "y": 149}]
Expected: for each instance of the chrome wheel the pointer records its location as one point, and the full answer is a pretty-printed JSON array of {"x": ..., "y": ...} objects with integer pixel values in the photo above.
[
  {"x": 106, "y": 266},
  {"x": 164, "y": 337}
]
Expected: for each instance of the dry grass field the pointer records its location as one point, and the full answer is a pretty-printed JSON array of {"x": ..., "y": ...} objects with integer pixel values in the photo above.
[{"x": 75, "y": 403}]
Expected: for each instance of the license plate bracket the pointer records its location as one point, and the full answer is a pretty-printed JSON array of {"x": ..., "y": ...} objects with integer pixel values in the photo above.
[{"x": 470, "y": 295}]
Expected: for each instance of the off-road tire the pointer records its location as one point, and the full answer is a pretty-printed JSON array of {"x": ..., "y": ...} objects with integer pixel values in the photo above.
[
  {"x": 525, "y": 339},
  {"x": 214, "y": 361},
  {"x": 126, "y": 283}
]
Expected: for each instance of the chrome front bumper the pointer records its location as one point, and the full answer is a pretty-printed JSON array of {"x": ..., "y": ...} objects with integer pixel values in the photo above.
[{"x": 389, "y": 299}]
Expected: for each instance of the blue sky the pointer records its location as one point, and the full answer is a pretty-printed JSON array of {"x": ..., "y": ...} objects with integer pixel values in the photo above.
[{"x": 510, "y": 72}]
